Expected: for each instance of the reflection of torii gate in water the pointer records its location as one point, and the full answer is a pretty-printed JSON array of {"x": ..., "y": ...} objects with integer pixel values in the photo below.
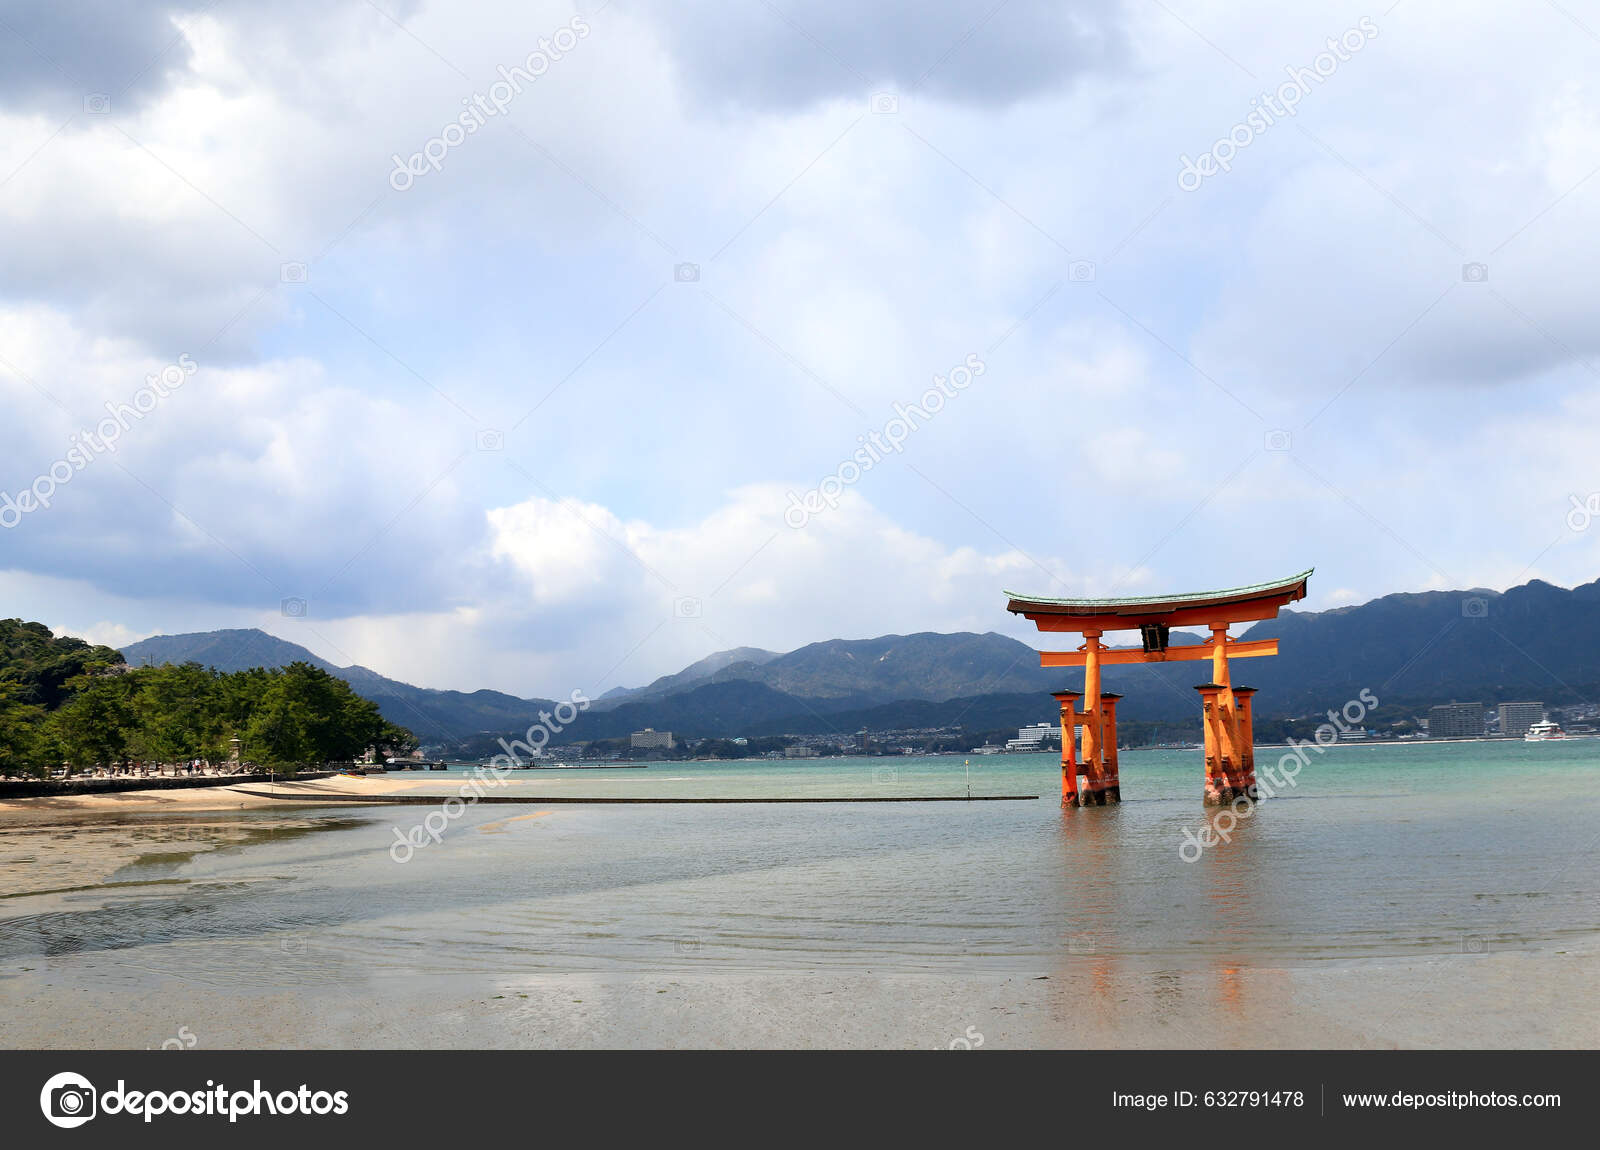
[{"x": 1230, "y": 747}]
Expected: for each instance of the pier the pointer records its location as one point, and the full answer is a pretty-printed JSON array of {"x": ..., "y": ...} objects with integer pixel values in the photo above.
[{"x": 429, "y": 800}]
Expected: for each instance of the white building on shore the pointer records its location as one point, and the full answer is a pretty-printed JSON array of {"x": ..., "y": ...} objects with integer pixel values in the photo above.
[{"x": 1033, "y": 738}]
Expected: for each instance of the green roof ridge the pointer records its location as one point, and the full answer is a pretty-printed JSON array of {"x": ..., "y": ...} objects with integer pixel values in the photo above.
[{"x": 1306, "y": 574}]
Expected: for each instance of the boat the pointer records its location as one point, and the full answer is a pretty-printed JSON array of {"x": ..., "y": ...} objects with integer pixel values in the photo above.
[{"x": 1540, "y": 732}]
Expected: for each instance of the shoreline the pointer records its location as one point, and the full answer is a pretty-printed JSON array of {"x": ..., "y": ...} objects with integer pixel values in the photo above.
[
  {"x": 393, "y": 792},
  {"x": 121, "y": 784},
  {"x": 224, "y": 797}
]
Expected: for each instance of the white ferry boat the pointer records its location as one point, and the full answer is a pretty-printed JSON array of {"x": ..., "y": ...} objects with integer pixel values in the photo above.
[{"x": 1539, "y": 732}]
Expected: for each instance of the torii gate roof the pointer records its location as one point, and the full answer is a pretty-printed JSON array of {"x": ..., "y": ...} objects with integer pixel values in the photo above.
[{"x": 1232, "y": 605}]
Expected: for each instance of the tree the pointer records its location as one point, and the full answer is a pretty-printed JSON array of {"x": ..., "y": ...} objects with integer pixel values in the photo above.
[
  {"x": 21, "y": 745},
  {"x": 306, "y": 715},
  {"x": 43, "y": 666},
  {"x": 95, "y": 726},
  {"x": 62, "y": 700},
  {"x": 395, "y": 740},
  {"x": 179, "y": 713}
]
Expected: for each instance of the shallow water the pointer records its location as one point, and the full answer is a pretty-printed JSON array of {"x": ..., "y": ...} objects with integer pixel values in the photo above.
[{"x": 1376, "y": 851}]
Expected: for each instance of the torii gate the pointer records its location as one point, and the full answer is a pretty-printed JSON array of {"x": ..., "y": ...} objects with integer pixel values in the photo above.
[{"x": 1229, "y": 742}]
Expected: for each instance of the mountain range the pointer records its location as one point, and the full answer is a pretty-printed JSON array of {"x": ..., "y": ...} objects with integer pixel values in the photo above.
[{"x": 1535, "y": 641}]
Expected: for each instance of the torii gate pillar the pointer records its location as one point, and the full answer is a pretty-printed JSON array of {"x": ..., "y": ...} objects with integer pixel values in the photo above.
[{"x": 1069, "y": 750}]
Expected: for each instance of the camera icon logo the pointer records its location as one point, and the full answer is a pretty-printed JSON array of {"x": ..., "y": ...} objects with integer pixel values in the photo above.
[
  {"x": 1475, "y": 273},
  {"x": 68, "y": 1100},
  {"x": 686, "y": 607},
  {"x": 1583, "y": 511},
  {"x": 686, "y": 273},
  {"x": 885, "y": 103},
  {"x": 1278, "y": 440},
  {"x": 1081, "y": 943},
  {"x": 1474, "y": 944},
  {"x": 1475, "y": 607},
  {"x": 1080, "y": 271},
  {"x": 293, "y": 608},
  {"x": 885, "y": 775},
  {"x": 491, "y": 440},
  {"x": 293, "y": 272},
  {"x": 292, "y": 944},
  {"x": 97, "y": 103},
  {"x": 687, "y": 945}
]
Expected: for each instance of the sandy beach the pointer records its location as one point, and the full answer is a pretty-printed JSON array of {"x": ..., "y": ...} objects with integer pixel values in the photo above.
[
  {"x": 226, "y": 797},
  {"x": 1478, "y": 1002}
]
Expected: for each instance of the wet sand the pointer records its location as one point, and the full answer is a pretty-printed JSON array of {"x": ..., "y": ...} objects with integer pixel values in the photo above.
[
  {"x": 1536, "y": 1001},
  {"x": 225, "y": 798}
]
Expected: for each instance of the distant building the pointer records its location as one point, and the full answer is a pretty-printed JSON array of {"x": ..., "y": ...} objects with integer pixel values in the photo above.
[
  {"x": 1516, "y": 718},
  {"x": 651, "y": 738},
  {"x": 1456, "y": 721},
  {"x": 1033, "y": 738},
  {"x": 799, "y": 751}
]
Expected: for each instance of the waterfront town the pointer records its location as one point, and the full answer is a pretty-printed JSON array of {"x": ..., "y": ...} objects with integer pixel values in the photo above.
[{"x": 1469, "y": 720}]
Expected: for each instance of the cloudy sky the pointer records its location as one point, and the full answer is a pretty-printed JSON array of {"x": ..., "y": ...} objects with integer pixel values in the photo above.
[{"x": 539, "y": 347}]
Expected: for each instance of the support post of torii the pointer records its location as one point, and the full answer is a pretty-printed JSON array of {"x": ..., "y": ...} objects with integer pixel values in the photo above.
[
  {"x": 1247, "y": 748},
  {"x": 1108, "y": 746},
  {"x": 1069, "y": 750},
  {"x": 1095, "y": 792},
  {"x": 1230, "y": 751}
]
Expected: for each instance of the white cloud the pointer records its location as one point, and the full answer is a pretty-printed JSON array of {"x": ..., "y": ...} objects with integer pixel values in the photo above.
[
  {"x": 326, "y": 447},
  {"x": 741, "y": 577}
]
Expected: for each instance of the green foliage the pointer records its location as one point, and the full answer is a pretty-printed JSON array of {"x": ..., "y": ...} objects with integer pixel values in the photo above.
[
  {"x": 63, "y": 701},
  {"x": 179, "y": 716},
  {"x": 396, "y": 740},
  {"x": 96, "y": 724},
  {"x": 20, "y": 733},
  {"x": 307, "y": 715},
  {"x": 40, "y": 665}
]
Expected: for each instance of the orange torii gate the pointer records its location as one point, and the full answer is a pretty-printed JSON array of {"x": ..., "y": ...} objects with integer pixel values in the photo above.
[{"x": 1229, "y": 743}]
